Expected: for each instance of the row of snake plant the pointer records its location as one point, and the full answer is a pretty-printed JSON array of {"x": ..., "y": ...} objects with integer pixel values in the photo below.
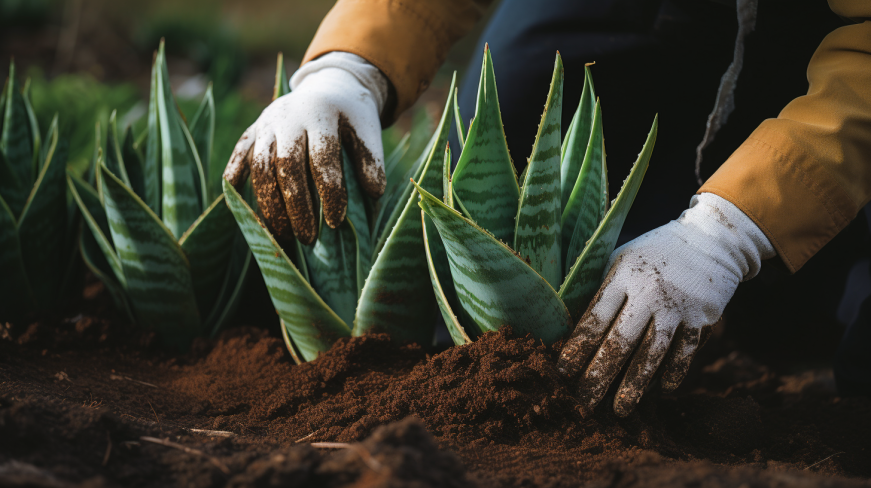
[
  {"x": 157, "y": 230},
  {"x": 37, "y": 224},
  {"x": 370, "y": 273}
]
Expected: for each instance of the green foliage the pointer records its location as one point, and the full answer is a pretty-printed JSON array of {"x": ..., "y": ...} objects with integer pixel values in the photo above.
[
  {"x": 35, "y": 221},
  {"x": 369, "y": 274},
  {"x": 158, "y": 235},
  {"x": 77, "y": 98},
  {"x": 562, "y": 212},
  {"x": 327, "y": 290}
]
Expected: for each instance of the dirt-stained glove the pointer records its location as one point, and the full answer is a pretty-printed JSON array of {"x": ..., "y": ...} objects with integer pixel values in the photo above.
[
  {"x": 336, "y": 101},
  {"x": 662, "y": 290}
]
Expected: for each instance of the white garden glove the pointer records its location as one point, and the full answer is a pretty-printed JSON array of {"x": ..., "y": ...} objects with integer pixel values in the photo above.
[
  {"x": 336, "y": 101},
  {"x": 662, "y": 290}
]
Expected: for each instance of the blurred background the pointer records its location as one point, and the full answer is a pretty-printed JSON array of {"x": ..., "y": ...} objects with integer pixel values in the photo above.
[{"x": 85, "y": 58}]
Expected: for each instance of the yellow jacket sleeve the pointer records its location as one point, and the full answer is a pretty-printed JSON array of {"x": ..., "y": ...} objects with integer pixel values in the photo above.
[
  {"x": 803, "y": 176},
  {"x": 406, "y": 39}
]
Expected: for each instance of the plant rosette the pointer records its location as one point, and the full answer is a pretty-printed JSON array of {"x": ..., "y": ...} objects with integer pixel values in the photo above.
[
  {"x": 557, "y": 219},
  {"x": 159, "y": 236}
]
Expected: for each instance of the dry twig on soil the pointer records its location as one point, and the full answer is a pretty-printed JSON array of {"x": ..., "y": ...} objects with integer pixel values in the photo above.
[{"x": 166, "y": 442}]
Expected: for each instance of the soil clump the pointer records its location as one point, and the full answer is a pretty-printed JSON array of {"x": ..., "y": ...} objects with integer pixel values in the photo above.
[{"x": 493, "y": 413}]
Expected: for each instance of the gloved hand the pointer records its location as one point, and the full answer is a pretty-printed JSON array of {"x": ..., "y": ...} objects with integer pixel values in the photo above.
[
  {"x": 336, "y": 101},
  {"x": 662, "y": 290}
]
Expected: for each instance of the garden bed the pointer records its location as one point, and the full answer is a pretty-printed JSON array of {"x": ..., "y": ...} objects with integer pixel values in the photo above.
[{"x": 77, "y": 396}]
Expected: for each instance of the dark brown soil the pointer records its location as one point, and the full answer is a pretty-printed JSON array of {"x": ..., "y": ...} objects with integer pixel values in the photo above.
[{"x": 77, "y": 397}]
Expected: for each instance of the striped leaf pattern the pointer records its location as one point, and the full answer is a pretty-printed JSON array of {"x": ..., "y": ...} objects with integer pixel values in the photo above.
[
  {"x": 357, "y": 216},
  {"x": 586, "y": 206},
  {"x": 42, "y": 226},
  {"x": 133, "y": 164},
  {"x": 207, "y": 246},
  {"x": 442, "y": 281},
  {"x": 332, "y": 267},
  {"x": 158, "y": 279},
  {"x": 100, "y": 236},
  {"x": 537, "y": 233},
  {"x": 485, "y": 182},
  {"x": 493, "y": 285},
  {"x": 585, "y": 276},
  {"x": 397, "y": 298},
  {"x": 181, "y": 171},
  {"x": 309, "y": 323},
  {"x": 153, "y": 147}
]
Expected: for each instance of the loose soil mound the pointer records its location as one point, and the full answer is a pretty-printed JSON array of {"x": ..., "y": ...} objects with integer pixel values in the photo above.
[{"x": 77, "y": 398}]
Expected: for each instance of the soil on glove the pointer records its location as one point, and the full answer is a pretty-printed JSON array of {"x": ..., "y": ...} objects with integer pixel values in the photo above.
[{"x": 90, "y": 402}]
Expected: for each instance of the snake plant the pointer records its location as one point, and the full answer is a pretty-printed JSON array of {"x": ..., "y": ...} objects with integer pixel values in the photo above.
[
  {"x": 36, "y": 251},
  {"x": 370, "y": 273},
  {"x": 159, "y": 237},
  {"x": 527, "y": 254}
]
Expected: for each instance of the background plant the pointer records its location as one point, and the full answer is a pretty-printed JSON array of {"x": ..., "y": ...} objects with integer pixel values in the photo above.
[
  {"x": 160, "y": 236},
  {"x": 36, "y": 224},
  {"x": 557, "y": 219}
]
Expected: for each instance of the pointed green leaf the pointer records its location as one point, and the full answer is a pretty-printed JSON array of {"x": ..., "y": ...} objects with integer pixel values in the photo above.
[
  {"x": 397, "y": 298},
  {"x": 359, "y": 218},
  {"x": 90, "y": 175},
  {"x": 458, "y": 120},
  {"x": 585, "y": 275},
  {"x": 586, "y": 206},
  {"x": 153, "y": 147},
  {"x": 114, "y": 147},
  {"x": 133, "y": 163},
  {"x": 159, "y": 283},
  {"x": 485, "y": 182},
  {"x": 14, "y": 285},
  {"x": 442, "y": 281},
  {"x": 332, "y": 264},
  {"x": 313, "y": 326},
  {"x": 95, "y": 260},
  {"x": 391, "y": 162},
  {"x": 207, "y": 246},
  {"x": 447, "y": 189},
  {"x": 38, "y": 159},
  {"x": 11, "y": 190},
  {"x": 202, "y": 128},
  {"x": 42, "y": 226},
  {"x": 16, "y": 144},
  {"x": 282, "y": 87},
  {"x": 574, "y": 146},
  {"x": 98, "y": 224},
  {"x": 385, "y": 225},
  {"x": 493, "y": 285},
  {"x": 537, "y": 234},
  {"x": 181, "y": 192},
  {"x": 390, "y": 206}
]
